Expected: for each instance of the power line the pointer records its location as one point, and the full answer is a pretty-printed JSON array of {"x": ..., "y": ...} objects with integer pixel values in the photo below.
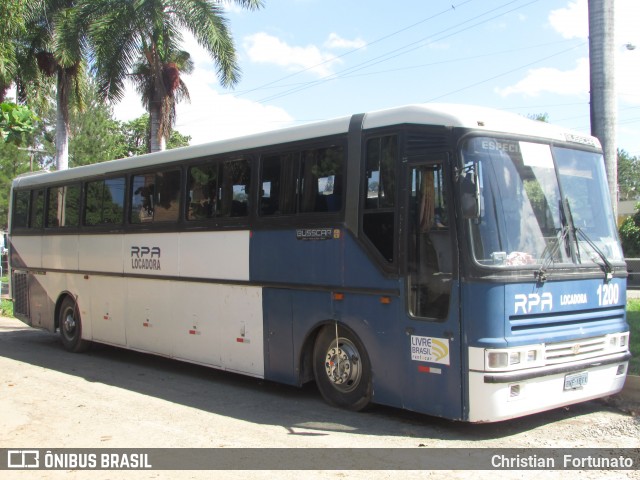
[
  {"x": 475, "y": 84},
  {"x": 378, "y": 40},
  {"x": 402, "y": 50}
]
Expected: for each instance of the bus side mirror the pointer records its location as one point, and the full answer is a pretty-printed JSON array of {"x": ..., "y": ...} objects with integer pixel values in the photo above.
[{"x": 470, "y": 196}]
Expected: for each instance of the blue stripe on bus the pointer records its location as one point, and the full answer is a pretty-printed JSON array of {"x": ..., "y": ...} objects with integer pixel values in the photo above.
[{"x": 325, "y": 257}]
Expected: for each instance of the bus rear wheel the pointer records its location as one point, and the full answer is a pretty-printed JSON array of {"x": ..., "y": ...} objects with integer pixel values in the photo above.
[
  {"x": 70, "y": 325},
  {"x": 342, "y": 369}
]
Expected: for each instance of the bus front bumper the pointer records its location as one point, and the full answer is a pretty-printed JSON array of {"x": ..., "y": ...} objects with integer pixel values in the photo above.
[{"x": 500, "y": 396}]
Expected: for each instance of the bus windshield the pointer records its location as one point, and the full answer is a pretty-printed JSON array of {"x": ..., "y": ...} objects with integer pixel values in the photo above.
[{"x": 534, "y": 200}]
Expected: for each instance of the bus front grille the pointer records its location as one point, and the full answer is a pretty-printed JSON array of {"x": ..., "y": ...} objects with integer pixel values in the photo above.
[
  {"x": 20, "y": 286},
  {"x": 562, "y": 352},
  {"x": 540, "y": 324}
]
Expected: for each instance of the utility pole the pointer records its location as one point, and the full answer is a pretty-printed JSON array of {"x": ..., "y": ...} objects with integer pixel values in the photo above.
[{"x": 603, "y": 92}]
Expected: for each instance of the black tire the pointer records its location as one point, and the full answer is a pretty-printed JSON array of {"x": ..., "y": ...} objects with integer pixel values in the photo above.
[
  {"x": 342, "y": 372},
  {"x": 70, "y": 325}
]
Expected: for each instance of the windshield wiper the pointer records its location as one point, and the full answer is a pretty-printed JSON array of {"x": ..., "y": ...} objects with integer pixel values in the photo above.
[
  {"x": 549, "y": 253},
  {"x": 606, "y": 265}
]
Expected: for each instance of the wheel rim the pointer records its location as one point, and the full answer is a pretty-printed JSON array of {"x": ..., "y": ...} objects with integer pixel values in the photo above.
[
  {"x": 342, "y": 365},
  {"x": 69, "y": 324}
]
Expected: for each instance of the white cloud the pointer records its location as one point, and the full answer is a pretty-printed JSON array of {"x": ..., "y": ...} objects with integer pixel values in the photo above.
[
  {"x": 628, "y": 61},
  {"x": 336, "y": 41},
  {"x": 552, "y": 80},
  {"x": 212, "y": 115},
  {"x": 572, "y": 21},
  {"x": 130, "y": 107},
  {"x": 264, "y": 48}
]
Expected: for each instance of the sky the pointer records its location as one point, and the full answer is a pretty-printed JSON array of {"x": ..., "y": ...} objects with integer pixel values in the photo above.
[{"x": 311, "y": 60}]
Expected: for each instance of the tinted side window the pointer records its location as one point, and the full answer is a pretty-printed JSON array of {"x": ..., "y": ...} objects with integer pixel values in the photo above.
[
  {"x": 279, "y": 184},
  {"x": 155, "y": 197},
  {"x": 20, "y": 208},
  {"x": 378, "y": 219},
  {"x": 321, "y": 180},
  {"x": 309, "y": 181},
  {"x": 234, "y": 197},
  {"x": 36, "y": 219},
  {"x": 104, "y": 204},
  {"x": 63, "y": 209},
  {"x": 202, "y": 190},
  {"x": 218, "y": 189},
  {"x": 381, "y": 164}
]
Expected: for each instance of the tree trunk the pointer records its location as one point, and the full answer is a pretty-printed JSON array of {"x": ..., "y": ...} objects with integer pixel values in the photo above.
[
  {"x": 157, "y": 141},
  {"x": 62, "y": 120},
  {"x": 603, "y": 94}
]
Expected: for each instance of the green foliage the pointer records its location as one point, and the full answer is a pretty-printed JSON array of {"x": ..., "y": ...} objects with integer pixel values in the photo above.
[
  {"x": 177, "y": 140},
  {"x": 17, "y": 123},
  {"x": 541, "y": 117},
  {"x": 95, "y": 136},
  {"x": 13, "y": 162},
  {"x": 6, "y": 308},
  {"x": 136, "y": 137},
  {"x": 630, "y": 235},
  {"x": 633, "y": 318},
  {"x": 628, "y": 176}
]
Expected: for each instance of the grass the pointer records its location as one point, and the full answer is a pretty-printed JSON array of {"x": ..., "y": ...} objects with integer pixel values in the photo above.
[
  {"x": 6, "y": 306},
  {"x": 633, "y": 318}
]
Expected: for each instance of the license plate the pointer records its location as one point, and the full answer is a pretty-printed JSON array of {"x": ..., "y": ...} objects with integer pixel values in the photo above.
[{"x": 575, "y": 380}]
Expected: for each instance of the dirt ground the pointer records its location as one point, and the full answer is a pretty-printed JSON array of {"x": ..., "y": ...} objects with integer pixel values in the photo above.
[{"x": 113, "y": 398}]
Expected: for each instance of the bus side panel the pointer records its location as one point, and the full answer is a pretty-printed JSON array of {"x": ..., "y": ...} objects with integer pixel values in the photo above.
[
  {"x": 44, "y": 291},
  {"x": 60, "y": 252},
  {"x": 283, "y": 257},
  {"x": 26, "y": 251},
  {"x": 316, "y": 256},
  {"x": 149, "y": 326},
  {"x": 41, "y": 306},
  {"x": 239, "y": 309},
  {"x": 107, "y": 308},
  {"x": 293, "y": 316},
  {"x": 96, "y": 253},
  {"x": 196, "y": 315},
  {"x": 215, "y": 255},
  {"x": 375, "y": 319},
  {"x": 278, "y": 339},
  {"x": 211, "y": 324},
  {"x": 483, "y": 301},
  {"x": 152, "y": 254}
]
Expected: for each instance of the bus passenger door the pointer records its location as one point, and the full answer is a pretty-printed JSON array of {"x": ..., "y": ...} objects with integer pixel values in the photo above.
[{"x": 432, "y": 326}]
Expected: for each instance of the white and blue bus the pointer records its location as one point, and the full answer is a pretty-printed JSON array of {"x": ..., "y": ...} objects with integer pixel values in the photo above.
[{"x": 450, "y": 260}]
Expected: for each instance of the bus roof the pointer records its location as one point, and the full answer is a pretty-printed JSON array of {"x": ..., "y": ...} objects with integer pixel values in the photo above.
[{"x": 448, "y": 115}]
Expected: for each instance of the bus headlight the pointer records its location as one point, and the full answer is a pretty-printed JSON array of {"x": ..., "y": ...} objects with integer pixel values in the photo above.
[
  {"x": 514, "y": 358},
  {"x": 497, "y": 359},
  {"x": 617, "y": 342}
]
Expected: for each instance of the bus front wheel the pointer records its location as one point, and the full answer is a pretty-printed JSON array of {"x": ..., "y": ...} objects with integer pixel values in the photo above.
[
  {"x": 70, "y": 325},
  {"x": 342, "y": 368}
]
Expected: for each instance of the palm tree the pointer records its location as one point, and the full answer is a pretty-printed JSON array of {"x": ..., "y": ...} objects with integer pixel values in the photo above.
[
  {"x": 11, "y": 21},
  {"x": 17, "y": 64},
  {"x": 141, "y": 38},
  {"x": 56, "y": 41},
  {"x": 160, "y": 93}
]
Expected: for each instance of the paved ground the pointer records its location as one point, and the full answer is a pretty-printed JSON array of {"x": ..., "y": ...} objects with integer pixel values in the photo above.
[{"x": 112, "y": 398}]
